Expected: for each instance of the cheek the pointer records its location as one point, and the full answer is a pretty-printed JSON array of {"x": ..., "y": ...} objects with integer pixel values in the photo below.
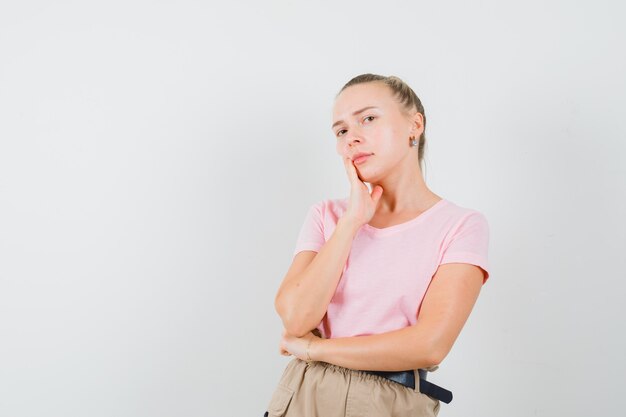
[
  {"x": 386, "y": 147},
  {"x": 393, "y": 142}
]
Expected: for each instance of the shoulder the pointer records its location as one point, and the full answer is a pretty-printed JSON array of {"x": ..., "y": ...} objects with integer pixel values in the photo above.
[
  {"x": 458, "y": 214},
  {"x": 455, "y": 221},
  {"x": 464, "y": 224},
  {"x": 330, "y": 207}
]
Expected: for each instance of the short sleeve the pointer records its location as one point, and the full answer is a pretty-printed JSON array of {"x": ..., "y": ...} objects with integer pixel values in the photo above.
[
  {"x": 470, "y": 243},
  {"x": 311, "y": 235}
]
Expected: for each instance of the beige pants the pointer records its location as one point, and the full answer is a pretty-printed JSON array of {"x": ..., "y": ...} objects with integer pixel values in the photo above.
[{"x": 320, "y": 389}]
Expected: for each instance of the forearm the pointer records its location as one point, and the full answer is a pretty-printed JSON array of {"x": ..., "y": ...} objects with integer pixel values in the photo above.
[
  {"x": 397, "y": 350},
  {"x": 304, "y": 302}
]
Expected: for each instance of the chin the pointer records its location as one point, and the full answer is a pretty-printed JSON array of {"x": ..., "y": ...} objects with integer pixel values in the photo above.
[{"x": 368, "y": 176}]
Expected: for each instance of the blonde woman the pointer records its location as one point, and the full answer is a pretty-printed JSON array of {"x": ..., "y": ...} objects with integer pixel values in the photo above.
[{"x": 382, "y": 282}]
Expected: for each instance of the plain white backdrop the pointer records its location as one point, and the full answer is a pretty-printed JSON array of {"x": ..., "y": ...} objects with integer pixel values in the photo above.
[{"x": 157, "y": 160}]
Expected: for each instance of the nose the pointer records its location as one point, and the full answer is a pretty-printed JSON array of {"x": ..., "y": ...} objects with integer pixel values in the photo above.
[
  {"x": 345, "y": 147},
  {"x": 354, "y": 135}
]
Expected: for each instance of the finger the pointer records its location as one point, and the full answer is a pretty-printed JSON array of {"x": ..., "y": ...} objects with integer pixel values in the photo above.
[
  {"x": 346, "y": 163},
  {"x": 377, "y": 193},
  {"x": 351, "y": 170}
]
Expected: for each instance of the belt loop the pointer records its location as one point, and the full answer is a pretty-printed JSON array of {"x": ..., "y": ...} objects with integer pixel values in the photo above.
[{"x": 417, "y": 380}]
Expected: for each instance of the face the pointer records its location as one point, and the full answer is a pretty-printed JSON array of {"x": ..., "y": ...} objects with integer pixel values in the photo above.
[{"x": 382, "y": 130}]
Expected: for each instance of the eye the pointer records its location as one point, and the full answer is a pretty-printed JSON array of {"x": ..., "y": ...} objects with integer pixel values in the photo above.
[
  {"x": 367, "y": 117},
  {"x": 338, "y": 133}
]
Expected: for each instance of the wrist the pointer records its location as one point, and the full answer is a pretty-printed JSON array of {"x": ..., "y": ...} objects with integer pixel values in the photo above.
[
  {"x": 349, "y": 224},
  {"x": 316, "y": 350}
]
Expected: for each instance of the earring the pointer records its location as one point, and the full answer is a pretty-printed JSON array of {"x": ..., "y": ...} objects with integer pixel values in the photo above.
[{"x": 413, "y": 142}]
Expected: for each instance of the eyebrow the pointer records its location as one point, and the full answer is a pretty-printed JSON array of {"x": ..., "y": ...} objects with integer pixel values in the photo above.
[{"x": 354, "y": 114}]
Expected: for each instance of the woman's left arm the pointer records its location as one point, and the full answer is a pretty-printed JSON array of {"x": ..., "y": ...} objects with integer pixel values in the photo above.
[{"x": 446, "y": 306}]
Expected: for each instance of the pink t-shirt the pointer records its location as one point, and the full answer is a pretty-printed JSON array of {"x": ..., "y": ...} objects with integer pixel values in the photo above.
[{"x": 388, "y": 270}]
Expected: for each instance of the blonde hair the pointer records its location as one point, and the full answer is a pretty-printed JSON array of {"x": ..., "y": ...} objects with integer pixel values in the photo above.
[{"x": 404, "y": 94}]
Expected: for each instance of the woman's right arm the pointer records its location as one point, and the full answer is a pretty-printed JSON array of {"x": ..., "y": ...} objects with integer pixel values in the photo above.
[
  {"x": 304, "y": 295},
  {"x": 312, "y": 279}
]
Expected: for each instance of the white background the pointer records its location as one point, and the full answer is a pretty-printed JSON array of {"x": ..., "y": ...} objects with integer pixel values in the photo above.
[{"x": 157, "y": 160}]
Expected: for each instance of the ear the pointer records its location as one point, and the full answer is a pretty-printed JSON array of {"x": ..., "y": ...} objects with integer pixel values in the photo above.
[{"x": 417, "y": 124}]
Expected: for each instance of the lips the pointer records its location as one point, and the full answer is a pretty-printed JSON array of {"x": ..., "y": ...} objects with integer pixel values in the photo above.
[{"x": 360, "y": 157}]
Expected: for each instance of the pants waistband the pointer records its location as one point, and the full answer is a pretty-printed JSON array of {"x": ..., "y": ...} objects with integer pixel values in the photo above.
[{"x": 406, "y": 378}]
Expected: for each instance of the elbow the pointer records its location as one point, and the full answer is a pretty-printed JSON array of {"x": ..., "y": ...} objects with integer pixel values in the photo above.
[
  {"x": 433, "y": 360},
  {"x": 432, "y": 352},
  {"x": 295, "y": 322},
  {"x": 282, "y": 312},
  {"x": 428, "y": 359},
  {"x": 291, "y": 323},
  {"x": 297, "y": 332},
  {"x": 281, "y": 305},
  {"x": 438, "y": 352},
  {"x": 294, "y": 327}
]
